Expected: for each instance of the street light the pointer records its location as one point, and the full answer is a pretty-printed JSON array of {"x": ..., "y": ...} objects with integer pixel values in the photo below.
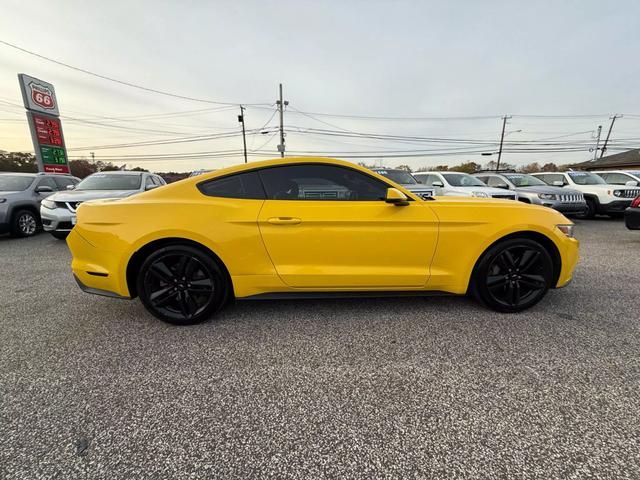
[{"x": 499, "y": 152}]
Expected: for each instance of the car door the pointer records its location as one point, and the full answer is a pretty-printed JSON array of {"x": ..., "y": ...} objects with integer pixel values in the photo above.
[{"x": 328, "y": 227}]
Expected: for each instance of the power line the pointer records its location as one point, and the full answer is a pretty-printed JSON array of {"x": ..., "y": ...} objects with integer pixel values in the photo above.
[{"x": 121, "y": 82}]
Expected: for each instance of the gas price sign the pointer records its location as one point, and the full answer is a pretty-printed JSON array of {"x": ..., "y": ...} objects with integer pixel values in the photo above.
[{"x": 39, "y": 99}]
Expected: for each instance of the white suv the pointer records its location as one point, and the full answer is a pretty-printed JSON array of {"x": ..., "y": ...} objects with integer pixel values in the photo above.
[
  {"x": 601, "y": 197},
  {"x": 461, "y": 185},
  {"x": 629, "y": 178}
]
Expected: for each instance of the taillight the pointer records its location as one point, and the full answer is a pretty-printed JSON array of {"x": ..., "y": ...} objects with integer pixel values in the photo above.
[{"x": 636, "y": 202}]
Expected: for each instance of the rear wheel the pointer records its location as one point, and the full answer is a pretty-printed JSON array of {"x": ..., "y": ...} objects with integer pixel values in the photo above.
[
  {"x": 182, "y": 285},
  {"x": 513, "y": 275},
  {"x": 24, "y": 224}
]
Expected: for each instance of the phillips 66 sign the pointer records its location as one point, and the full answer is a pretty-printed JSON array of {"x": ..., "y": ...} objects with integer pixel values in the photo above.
[
  {"x": 38, "y": 96},
  {"x": 39, "y": 99}
]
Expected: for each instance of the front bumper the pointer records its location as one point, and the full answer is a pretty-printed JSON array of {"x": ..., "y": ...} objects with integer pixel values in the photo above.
[
  {"x": 570, "y": 208},
  {"x": 56, "y": 220},
  {"x": 617, "y": 206},
  {"x": 632, "y": 218},
  {"x": 569, "y": 255}
]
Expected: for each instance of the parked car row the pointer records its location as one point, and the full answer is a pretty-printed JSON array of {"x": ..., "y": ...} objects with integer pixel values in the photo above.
[
  {"x": 30, "y": 201},
  {"x": 584, "y": 194}
]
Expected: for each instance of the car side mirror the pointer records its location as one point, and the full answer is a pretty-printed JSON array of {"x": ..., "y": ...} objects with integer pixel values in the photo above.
[
  {"x": 503, "y": 186},
  {"x": 44, "y": 189},
  {"x": 71, "y": 187},
  {"x": 396, "y": 197},
  {"x": 437, "y": 183},
  {"x": 631, "y": 183},
  {"x": 558, "y": 183}
]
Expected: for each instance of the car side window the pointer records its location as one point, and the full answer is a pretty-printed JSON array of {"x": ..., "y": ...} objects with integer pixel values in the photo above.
[
  {"x": 242, "y": 185},
  {"x": 616, "y": 178},
  {"x": 64, "y": 182},
  {"x": 429, "y": 179},
  {"x": 496, "y": 182},
  {"x": 149, "y": 182},
  {"x": 159, "y": 180},
  {"x": 321, "y": 182},
  {"x": 48, "y": 182}
]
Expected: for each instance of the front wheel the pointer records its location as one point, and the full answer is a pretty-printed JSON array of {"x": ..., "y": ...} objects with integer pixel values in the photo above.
[
  {"x": 24, "y": 224},
  {"x": 590, "y": 210},
  {"x": 182, "y": 285},
  {"x": 513, "y": 275}
]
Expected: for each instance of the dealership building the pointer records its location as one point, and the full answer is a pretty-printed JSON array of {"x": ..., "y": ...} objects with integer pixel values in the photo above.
[{"x": 629, "y": 160}]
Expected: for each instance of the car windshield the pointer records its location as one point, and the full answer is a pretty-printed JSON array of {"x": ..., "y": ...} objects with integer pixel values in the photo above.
[
  {"x": 106, "y": 181},
  {"x": 523, "y": 180},
  {"x": 398, "y": 176},
  {"x": 586, "y": 178},
  {"x": 462, "y": 180},
  {"x": 14, "y": 183}
]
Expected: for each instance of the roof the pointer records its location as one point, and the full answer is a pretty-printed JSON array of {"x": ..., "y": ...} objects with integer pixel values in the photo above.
[
  {"x": 19, "y": 174},
  {"x": 630, "y": 158},
  {"x": 120, "y": 172}
]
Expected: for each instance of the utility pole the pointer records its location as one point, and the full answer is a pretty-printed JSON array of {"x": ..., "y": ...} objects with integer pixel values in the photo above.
[
  {"x": 93, "y": 157},
  {"x": 595, "y": 152},
  {"x": 244, "y": 138},
  {"x": 281, "y": 104},
  {"x": 504, "y": 125},
  {"x": 606, "y": 140}
]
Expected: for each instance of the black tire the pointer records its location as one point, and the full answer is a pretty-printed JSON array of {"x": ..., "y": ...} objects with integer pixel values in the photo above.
[
  {"x": 167, "y": 287},
  {"x": 60, "y": 235},
  {"x": 590, "y": 212},
  {"x": 24, "y": 223},
  {"x": 512, "y": 275}
]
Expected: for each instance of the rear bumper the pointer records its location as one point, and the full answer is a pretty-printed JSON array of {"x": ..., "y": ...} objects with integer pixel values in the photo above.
[
  {"x": 96, "y": 270},
  {"x": 97, "y": 291},
  {"x": 632, "y": 218}
]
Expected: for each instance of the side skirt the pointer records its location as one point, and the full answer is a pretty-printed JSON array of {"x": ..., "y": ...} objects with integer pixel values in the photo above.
[{"x": 346, "y": 294}]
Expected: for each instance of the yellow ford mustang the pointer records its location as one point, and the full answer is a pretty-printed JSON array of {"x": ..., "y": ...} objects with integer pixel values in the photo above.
[{"x": 309, "y": 227}]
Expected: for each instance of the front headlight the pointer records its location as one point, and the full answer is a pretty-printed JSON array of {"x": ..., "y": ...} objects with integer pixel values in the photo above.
[
  {"x": 566, "y": 229},
  {"x": 547, "y": 196},
  {"x": 617, "y": 193},
  {"x": 50, "y": 204},
  {"x": 480, "y": 194}
]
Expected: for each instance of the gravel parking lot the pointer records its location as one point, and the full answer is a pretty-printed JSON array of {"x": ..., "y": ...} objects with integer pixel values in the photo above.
[{"x": 92, "y": 387}]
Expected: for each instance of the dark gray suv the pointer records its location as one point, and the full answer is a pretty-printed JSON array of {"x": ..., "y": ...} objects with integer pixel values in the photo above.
[{"x": 20, "y": 197}]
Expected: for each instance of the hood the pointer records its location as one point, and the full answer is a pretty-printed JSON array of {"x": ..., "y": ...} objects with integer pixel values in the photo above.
[
  {"x": 549, "y": 189},
  {"x": 416, "y": 187},
  {"x": 85, "y": 195}
]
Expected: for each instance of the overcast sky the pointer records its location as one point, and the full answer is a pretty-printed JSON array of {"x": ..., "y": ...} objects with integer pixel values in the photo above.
[{"x": 388, "y": 59}]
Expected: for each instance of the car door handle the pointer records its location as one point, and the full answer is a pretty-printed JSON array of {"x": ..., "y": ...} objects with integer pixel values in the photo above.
[{"x": 284, "y": 220}]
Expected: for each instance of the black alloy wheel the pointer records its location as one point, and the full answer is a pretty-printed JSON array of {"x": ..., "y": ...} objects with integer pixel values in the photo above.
[
  {"x": 513, "y": 275},
  {"x": 24, "y": 224},
  {"x": 182, "y": 285}
]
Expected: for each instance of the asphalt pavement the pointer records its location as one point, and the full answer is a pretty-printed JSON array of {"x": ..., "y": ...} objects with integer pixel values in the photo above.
[{"x": 92, "y": 387}]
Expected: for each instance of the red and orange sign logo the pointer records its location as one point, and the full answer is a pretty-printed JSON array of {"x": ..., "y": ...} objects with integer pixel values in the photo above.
[{"x": 42, "y": 96}]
